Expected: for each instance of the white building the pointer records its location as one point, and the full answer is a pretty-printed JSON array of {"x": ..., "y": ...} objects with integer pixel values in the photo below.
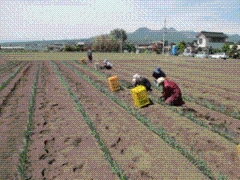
[{"x": 214, "y": 39}]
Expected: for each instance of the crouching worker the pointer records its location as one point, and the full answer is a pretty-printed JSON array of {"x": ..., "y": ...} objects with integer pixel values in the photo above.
[
  {"x": 171, "y": 93},
  {"x": 139, "y": 80},
  {"x": 106, "y": 64},
  {"x": 157, "y": 74}
]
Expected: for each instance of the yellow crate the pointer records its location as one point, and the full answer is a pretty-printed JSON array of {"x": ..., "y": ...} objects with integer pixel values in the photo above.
[
  {"x": 115, "y": 88},
  {"x": 82, "y": 61},
  {"x": 113, "y": 82},
  {"x": 113, "y": 79},
  {"x": 140, "y": 96}
]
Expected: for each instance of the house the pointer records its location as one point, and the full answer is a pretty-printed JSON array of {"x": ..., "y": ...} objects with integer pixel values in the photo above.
[
  {"x": 57, "y": 46},
  {"x": 143, "y": 47},
  {"x": 211, "y": 39},
  {"x": 12, "y": 47}
]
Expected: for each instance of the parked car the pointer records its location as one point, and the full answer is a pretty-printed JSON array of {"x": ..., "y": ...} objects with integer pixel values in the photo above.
[
  {"x": 219, "y": 56},
  {"x": 189, "y": 54},
  {"x": 201, "y": 55}
]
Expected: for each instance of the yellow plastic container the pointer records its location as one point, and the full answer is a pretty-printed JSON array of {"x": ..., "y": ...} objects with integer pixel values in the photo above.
[
  {"x": 238, "y": 149},
  {"x": 82, "y": 61},
  {"x": 113, "y": 82},
  {"x": 140, "y": 96}
]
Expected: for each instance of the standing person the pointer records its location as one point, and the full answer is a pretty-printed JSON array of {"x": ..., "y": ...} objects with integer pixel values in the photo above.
[
  {"x": 107, "y": 64},
  {"x": 157, "y": 74},
  {"x": 89, "y": 54},
  {"x": 171, "y": 92},
  {"x": 139, "y": 80}
]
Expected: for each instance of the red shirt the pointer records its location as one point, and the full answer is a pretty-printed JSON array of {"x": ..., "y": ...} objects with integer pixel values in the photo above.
[{"x": 171, "y": 89}]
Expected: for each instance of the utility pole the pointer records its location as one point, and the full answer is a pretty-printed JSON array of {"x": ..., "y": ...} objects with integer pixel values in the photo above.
[
  {"x": 121, "y": 42},
  {"x": 164, "y": 35}
]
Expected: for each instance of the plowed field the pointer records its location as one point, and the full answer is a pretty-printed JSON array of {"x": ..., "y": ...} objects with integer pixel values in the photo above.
[{"x": 60, "y": 120}]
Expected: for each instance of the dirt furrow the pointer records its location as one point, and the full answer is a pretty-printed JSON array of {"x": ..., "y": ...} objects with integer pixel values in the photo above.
[
  {"x": 231, "y": 105},
  {"x": 61, "y": 145},
  {"x": 225, "y": 123},
  {"x": 191, "y": 84},
  {"x": 219, "y": 154},
  {"x": 140, "y": 152},
  {"x": 8, "y": 70},
  {"x": 13, "y": 122}
]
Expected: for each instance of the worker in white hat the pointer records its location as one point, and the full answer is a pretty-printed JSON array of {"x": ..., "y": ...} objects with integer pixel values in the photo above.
[
  {"x": 107, "y": 64},
  {"x": 171, "y": 93},
  {"x": 139, "y": 80}
]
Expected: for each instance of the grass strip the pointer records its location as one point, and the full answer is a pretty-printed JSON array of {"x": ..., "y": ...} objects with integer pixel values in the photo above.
[
  {"x": 162, "y": 133},
  {"x": 104, "y": 148},
  {"x": 188, "y": 115},
  {"x": 27, "y": 133},
  {"x": 5, "y": 83}
]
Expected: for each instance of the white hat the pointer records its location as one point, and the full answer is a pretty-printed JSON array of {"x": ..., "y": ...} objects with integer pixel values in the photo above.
[
  {"x": 160, "y": 80},
  {"x": 136, "y": 76},
  {"x": 105, "y": 61},
  {"x": 134, "y": 81}
]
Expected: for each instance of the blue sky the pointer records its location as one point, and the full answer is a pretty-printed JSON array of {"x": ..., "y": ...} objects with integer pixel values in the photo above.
[{"x": 69, "y": 19}]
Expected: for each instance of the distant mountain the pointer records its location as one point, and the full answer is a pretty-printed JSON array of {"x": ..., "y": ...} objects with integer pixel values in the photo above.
[
  {"x": 141, "y": 35},
  {"x": 145, "y": 34},
  {"x": 234, "y": 38},
  {"x": 171, "y": 35}
]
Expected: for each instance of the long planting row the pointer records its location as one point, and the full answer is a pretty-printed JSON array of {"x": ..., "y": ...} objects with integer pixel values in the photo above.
[
  {"x": 229, "y": 126},
  {"x": 115, "y": 168},
  {"x": 207, "y": 142},
  {"x": 11, "y": 76},
  {"x": 13, "y": 121},
  {"x": 211, "y": 104},
  {"x": 189, "y": 154},
  {"x": 221, "y": 128},
  {"x": 61, "y": 146},
  {"x": 134, "y": 135},
  {"x": 9, "y": 66},
  {"x": 27, "y": 133}
]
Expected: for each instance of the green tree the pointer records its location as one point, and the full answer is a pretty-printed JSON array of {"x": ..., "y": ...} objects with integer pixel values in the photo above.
[
  {"x": 119, "y": 34},
  {"x": 225, "y": 47},
  {"x": 68, "y": 48},
  {"x": 105, "y": 43},
  {"x": 233, "y": 50},
  {"x": 128, "y": 46},
  {"x": 181, "y": 46}
]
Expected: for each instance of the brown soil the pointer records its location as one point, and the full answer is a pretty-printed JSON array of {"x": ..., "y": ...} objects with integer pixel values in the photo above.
[
  {"x": 186, "y": 132},
  {"x": 61, "y": 143},
  {"x": 8, "y": 70},
  {"x": 139, "y": 152},
  {"x": 13, "y": 122},
  {"x": 62, "y": 146}
]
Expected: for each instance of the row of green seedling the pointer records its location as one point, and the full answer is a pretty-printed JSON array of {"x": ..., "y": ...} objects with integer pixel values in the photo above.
[
  {"x": 13, "y": 75},
  {"x": 9, "y": 66},
  {"x": 107, "y": 154},
  {"x": 213, "y": 106},
  {"x": 162, "y": 133},
  {"x": 225, "y": 134},
  {"x": 27, "y": 133}
]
